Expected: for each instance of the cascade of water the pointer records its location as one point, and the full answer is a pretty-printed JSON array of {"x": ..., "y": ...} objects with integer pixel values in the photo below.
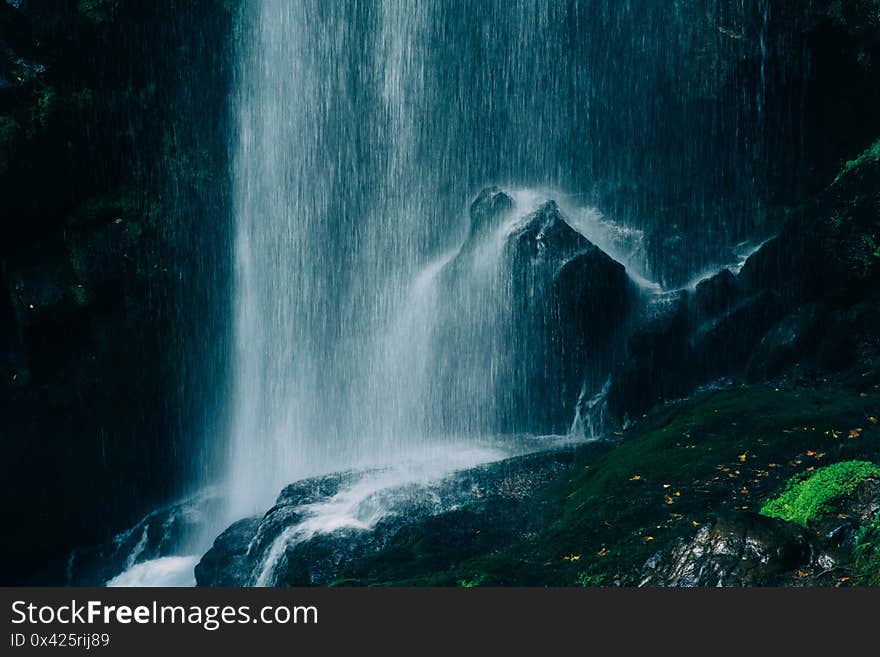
[{"x": 356, "y": 126}]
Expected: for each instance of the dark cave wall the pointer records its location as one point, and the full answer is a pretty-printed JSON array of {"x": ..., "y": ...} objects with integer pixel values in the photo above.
[{"x": 114, "y": 200}]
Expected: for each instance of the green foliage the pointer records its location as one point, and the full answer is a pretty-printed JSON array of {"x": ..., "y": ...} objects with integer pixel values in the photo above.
[
  {"x": 591, "y": 577},
  {"x": 810, "y": 497},
  {"x": 867, "y": 554},
  {"x": 471, "y": 582},
  {"x": 872, "y": 154}
]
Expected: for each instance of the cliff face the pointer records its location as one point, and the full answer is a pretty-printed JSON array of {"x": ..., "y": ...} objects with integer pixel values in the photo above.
[{"x": 111, "y": 147}]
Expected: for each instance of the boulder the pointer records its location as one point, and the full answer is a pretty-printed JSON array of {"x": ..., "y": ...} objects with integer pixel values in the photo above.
[
  {"x": 572, "y": 303},
  {"x": 545, "y": 311},
  {"x": 228, "y": 562},
  {"x": 744, "y": 549}
]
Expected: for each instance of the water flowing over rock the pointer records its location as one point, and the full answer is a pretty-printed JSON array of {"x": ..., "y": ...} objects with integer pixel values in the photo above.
[
  {"x": 323, "y": 529},
  {"x": 549, "y": 309},
  {"x": 171, "y": 532}
]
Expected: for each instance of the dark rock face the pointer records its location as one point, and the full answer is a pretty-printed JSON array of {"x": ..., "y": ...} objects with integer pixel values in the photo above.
[
  {"x": 740, "y": 550},
  {"x": 657, "y": 365},
  {"x": 95, "y": 247},
  {"x": 783, "y": 346},
  {"x": 805, "y": 300}
]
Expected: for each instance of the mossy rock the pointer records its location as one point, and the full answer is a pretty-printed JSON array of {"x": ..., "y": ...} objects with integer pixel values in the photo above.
[{"x": 811, "y": 498}]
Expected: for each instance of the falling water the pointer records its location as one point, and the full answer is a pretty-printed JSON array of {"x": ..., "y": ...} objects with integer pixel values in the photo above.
[
  {"x": 333, "y": 281},
  {"x": 361, "y": 130}
]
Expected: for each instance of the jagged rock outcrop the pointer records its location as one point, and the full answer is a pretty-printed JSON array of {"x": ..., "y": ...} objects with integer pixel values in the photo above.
[
  {"x": 804, "y": 302},
  {"x": 551, "y": 307}
]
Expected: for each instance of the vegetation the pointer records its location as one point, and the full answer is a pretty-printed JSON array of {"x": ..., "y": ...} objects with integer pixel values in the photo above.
[
  {"x": 867, "y": 554},
  {"x": 810, "y": 497},
  {"x": 872, "y": 154}
]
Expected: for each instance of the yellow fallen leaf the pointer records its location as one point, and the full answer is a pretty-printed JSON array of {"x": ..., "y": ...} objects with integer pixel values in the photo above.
[
  {"x": 695, "y": 523},
  {"x": 636, "y": 478},
  {"x": 742, "y": 458},
  {"x": 649, "y": 538}
]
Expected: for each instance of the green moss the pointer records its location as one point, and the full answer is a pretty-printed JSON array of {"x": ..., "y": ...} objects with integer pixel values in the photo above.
[
  {"x": 867, "y": 554},
  {"x": 808, "y": 499},
  {"x": 872, "y": 154},
  {"x": 471, "y": 582},
  {"x": 591, "y": 577}
]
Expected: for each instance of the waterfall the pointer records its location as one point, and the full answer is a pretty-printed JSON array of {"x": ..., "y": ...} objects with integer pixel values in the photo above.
[
  {"x": 334, "y": 270},
  {"x": 360, "y": 131}
]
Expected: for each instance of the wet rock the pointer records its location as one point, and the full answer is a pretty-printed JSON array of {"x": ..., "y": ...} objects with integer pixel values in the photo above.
[
  {"x": 737, "y": 550},
  {"x": 572, "y": 304},
  {"x": 716, "y": 294},
  {"x": 722, "y": 345},
  {"x": 228, "y": 561},
  {"x": 420, "y": 526},
  {"x": 487, "y": 210},
  {"x": 549, "y": 308},
  {"x": 168, "y": 531},
  {"x": 657, "y": 365},
  {"x": 545, "y": 240},
  {"x": 783, "y": 346}
]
